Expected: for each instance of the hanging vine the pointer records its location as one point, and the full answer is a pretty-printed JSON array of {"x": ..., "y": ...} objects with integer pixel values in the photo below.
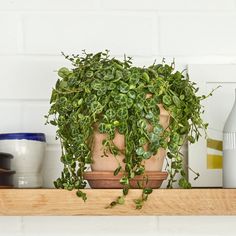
[{"x": 113, "y": 95}]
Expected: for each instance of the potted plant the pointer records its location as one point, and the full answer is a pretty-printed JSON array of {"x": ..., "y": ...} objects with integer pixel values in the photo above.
[{"x": 106, "y": 109}]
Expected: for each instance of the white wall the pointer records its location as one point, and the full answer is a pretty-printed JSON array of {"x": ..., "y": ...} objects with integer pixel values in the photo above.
[{"x": 32, "y": 34}]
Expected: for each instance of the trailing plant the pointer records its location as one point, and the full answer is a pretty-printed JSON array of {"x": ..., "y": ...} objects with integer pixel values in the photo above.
[{"x": 115, "y": 96}]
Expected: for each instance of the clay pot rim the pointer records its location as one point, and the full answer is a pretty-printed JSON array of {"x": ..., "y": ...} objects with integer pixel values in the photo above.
[{"x": 109, "y": 175}]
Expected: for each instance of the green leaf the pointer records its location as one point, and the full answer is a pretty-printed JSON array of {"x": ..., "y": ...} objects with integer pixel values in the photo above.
[
  {"x": 184, "y": 183},
  {"x": 149, "y": 115},
  {"x": 151, "y": 88},
  {"x": 157, "y": 129},
  {"x": 170, "y": 155},
  {"x": 96, "y": 84},
  {"x": 125, "y": 190},
  {"x": 146, "y": 77},
  {"x": 53, "y": 122},
  {"x": 129, "y": 103},
  {"x": 89, "y": 74},
  {"x": 122, "y": 128},
  {"x": 124, "y": 180},
  {"x": 140, "y": 151},
  {"x": 166, "y": 99},
  {"x": 191, "y": 139},
  {"x": 138, "y": 204},
  {"x": 80, "y": 101},
  {"x": 147, "y": 191},
  {"x": 120, "y": 200},
  {"x": 112, "y": 204},
  {"x": 58, "y": 183},
  {"x": 119, "y": 75},
  {"x": 154, "y": 137},
  {"x": 96, "y": 107},
  {"x": 102, "y": 128},
  {"x": 117, "y": 170},
  {"x": 122, "y": 113},
  {"x": 176, "y": 101},
  {"x": 147, "y": 155},
  {"x": 134, "y": 80},
  {"x": 63, "y": 84},
  {"x": 142, "y": 124},
  {"x": 116, "y": 123},
  {"x": 121, "y": 99},
  {"x": 63, "y": 72},
  {"x": 108, "y": 77},
  {"x": 118, "y": 66},
  {"x": 111, "y": 114},
  {"x": 132, "y": 94},
  {"x": 111, "y": 86},
  {"x": 53, "y": 96},
  {"x": 82, "y": 195},
  {"x": 132, "y": 86},
  {"x": 140, "y": 170},
  {"x": 124, "y": 87},
  {"x": 142, "y": 141}
]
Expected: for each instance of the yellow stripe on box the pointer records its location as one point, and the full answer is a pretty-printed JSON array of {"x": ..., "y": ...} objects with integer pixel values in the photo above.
[
  {"x": 214, "y": 161},
  {"x": 215, "y": 144}
]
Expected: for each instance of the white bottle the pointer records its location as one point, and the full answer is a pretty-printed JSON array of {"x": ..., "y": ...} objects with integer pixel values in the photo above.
[{"x": 229, "y": 149}]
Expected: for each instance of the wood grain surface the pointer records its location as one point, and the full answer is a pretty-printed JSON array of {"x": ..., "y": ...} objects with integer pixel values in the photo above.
[{"x": 53, "y": 202}]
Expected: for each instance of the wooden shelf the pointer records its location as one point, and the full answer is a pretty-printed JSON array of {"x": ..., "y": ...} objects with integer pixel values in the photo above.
[{"x": 52, "y": 202}]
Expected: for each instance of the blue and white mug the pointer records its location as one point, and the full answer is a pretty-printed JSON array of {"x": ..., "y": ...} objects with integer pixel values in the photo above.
[{"x": 28, "y": 150}]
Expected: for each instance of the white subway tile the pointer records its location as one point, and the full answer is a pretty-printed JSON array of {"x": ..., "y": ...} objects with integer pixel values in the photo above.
[
  {"x": 33, "y": 119},
  {"x": 197, "y": 34},
  {"x": 26, "y": 116},
  {"x": 10, "y": 225},
  {"x": 11, "y": 116},
  {"x": 130, "y": 33},
  {"x": 45, "y": 5},
  {"x": 9, "y": 33},
  {"x": 52, "y": 166},
  {"x": 195, "y": 225},
  {"x": 169, "y": 5},
  {"x": 25, "y": 77},
  {"x": 89, "y": 226}
]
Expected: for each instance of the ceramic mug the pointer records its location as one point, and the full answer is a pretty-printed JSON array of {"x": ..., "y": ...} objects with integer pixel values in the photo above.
[{"x": 28, "y": 150}]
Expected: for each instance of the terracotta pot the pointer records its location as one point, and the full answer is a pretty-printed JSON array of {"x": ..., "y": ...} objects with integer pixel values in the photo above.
[
  {"x": 107, "y": 179},
  {"x": 110, "y": 163}
]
